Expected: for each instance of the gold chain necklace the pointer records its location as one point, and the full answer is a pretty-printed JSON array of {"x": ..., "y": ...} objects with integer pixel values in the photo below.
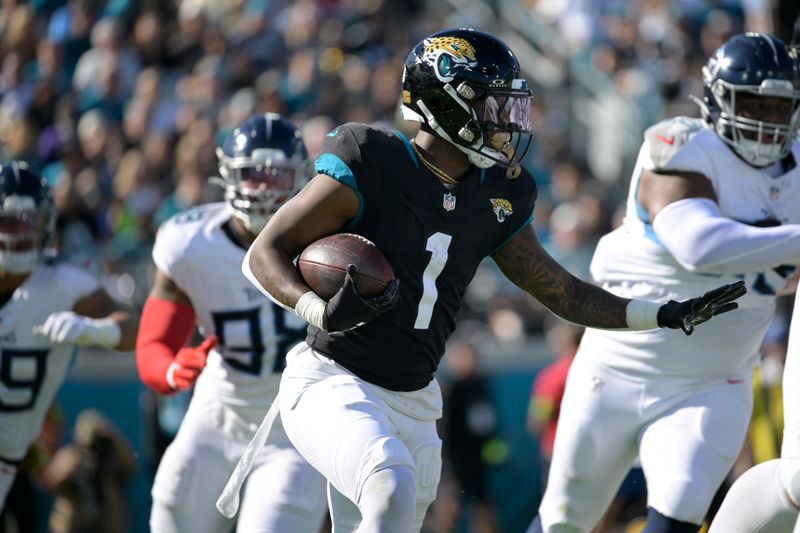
[{"x": 441, "y": 174}]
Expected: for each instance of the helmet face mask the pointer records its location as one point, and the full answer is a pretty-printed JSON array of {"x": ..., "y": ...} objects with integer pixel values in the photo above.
[
  {"x": 27, "y": 218},
  {"x": 752, "y": 97},
  {"x": 263, "y": 163},
  {"x": 760, "y": 135},
  {"x": 22, "y": 236},
  {"x": 466, "y": 86}
]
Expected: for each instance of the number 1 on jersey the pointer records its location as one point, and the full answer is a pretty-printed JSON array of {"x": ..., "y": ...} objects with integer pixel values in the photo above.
[{"x": 437, "y": 244}]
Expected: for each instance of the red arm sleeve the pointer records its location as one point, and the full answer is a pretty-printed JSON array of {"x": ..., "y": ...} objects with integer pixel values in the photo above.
[{"x": 163, "y": 330}]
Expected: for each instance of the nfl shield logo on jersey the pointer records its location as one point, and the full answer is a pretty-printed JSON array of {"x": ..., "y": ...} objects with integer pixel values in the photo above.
[{"x": 449, "y": 202}]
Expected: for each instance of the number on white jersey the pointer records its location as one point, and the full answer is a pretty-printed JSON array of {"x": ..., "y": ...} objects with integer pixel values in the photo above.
[
  {"x": 249, "y": 358},
  {"x": 21, "y": 375}
]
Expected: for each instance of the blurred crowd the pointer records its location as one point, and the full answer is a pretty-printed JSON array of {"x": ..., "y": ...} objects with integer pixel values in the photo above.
[{"x": 121, "y": 104}]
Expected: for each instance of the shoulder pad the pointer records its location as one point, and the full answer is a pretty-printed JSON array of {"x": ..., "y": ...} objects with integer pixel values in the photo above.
[
  {"x": 177, "y": 235},
  {"x": 668, "y": 137},
  {"x": 190, "y": 215},
  {"x": 363, "y": 133}
]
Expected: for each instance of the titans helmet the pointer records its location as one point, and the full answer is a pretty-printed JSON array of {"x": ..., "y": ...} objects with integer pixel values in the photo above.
[
  {"x": 466, "y": 86},
  {"x": 27, "y": 217},
  {"x": 751, "y": 96},
  {"x": 262, "y": 164}
]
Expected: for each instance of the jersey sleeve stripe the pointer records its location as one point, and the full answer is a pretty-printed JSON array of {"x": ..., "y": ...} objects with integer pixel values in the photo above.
[
  {"x": 331, "y": 165},
  {"x": 643, "y": 215}
]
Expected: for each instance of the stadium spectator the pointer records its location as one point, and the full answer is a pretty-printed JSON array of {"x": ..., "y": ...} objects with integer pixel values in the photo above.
[
  {"x": 89, "y": 477},
  {"x": 470, "y": 425}
]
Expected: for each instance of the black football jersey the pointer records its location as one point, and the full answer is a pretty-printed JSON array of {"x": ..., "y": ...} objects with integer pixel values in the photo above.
[{"x": 434, "y": 238}]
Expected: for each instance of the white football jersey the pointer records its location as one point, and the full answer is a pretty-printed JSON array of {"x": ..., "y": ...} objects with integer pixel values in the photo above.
[
  {"x": 243, "y": 371},
  {"x": 631, "y": 262},
  {"x": 32, "y": 368}
]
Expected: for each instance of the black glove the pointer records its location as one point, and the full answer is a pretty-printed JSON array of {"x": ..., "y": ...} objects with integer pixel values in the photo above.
[
  {"x": 686, "y": 315},
  {"x": 347, "y": 310}
]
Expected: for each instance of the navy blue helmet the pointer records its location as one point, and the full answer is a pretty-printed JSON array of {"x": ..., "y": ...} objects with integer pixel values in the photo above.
[
  {"x": 466, "y": 86},
  {"x": 262, "y": 164},
  {"x": 27, "y": 217},
  {"x": 752, "y": 97}
]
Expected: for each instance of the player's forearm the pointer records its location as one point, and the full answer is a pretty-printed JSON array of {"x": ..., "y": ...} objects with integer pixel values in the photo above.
[
  {"x": 152, "y": 361},
  {"x": 128, "y": 327},
  {"x": 529, "y": 266},
  {"x": 274, "y": 274},
  {"x": 576, "y": 301},
  {"x": 702, "y": 240},
  {"x": 164, "y": 328}
]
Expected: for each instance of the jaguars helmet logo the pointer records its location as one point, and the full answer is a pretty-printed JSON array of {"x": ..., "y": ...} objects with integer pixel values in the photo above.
[
  {"x": 448, "y": 55},
  {"x": 501, "y": 208}
]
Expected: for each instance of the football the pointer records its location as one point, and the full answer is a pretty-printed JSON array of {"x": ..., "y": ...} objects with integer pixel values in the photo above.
[{"x": 322, "y": 265}]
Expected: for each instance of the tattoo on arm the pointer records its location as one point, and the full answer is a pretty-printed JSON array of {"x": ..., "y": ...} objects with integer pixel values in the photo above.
[{"x": 530, "y": 267}]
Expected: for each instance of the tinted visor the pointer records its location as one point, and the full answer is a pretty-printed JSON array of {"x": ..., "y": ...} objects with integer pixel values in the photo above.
[
  {"x": 274, "y": 177},
  {"x": 22, "y": 230},
  {"x": 510, "y": 112},
  {"x": 774, "y": 109}
]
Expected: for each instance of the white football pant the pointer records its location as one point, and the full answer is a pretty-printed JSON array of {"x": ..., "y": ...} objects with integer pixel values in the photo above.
[
  {"x": 8, "y": 473},
  {"x": 687, "y": 437},
  {"x": 757, "y": 503},
  {"x": 351, "y": 431},
  {"x": 283, "y": 493}
]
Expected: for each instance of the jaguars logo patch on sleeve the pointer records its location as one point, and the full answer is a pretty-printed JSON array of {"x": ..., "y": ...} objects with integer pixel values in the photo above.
[{"x": 667, "y": 138}]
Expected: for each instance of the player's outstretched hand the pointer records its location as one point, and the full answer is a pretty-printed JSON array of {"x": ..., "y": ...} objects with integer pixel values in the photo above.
[
  {"x": 347, "y": 310},
  {"x": 188, "y": 363},
  {"x": 70, "y": 327},
  {"x": 689, "y": 313}
]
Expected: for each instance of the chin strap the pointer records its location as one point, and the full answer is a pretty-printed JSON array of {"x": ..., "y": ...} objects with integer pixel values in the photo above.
[
  {"x": 474, "y": 156},
  {"x": 514, "y": 170}
]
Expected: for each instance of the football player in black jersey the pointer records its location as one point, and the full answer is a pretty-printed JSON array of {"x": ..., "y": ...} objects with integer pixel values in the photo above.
[{"x": 358, "y": 397}]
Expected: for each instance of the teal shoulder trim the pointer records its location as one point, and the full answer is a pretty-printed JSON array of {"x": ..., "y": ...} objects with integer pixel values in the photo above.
[
  {"x": 334, "y": 167},
  {"x": 523, "y": 226},
  {"x": 331, "y": 165},
  {"x": 643, "y": 215}
]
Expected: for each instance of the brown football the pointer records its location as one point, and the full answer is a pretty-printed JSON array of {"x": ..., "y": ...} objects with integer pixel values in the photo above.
[{"x": 323, "y": 263}]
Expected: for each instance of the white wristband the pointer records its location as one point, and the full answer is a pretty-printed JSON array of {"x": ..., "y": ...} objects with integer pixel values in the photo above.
[
  {"x": 105, "y": 332},
  {"x": 312, "y": 308},
  {"x": 171, "y": 375},
  {"x": 642, "y": 314}
]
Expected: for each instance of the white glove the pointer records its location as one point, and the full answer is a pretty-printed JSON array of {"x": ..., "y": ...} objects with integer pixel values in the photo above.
[{"x": 69, "y": 327}]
